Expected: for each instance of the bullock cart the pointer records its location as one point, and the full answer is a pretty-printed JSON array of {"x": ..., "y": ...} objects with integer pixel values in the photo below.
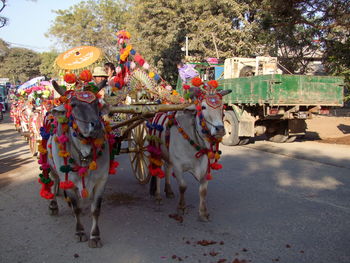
[{"x": 133, "y": 136}]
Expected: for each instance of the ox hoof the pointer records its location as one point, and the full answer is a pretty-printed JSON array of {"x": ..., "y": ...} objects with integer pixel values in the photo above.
[
  {"x": 81, "y": 237},
  {"x": 158, "y": 200},
  {"x": 53, "y": 211},
  {"x": 95, "y": 242},
  {"x": 203, "y": 218},
  {"x": 181, "y": 210},
  {"x": 169, "y": 195}
]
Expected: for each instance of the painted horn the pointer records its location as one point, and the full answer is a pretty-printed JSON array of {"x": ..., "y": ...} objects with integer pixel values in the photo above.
[
  {"x": 60, "y": 90},
  {"x": 225, "y": 92},
  {"x": 101, "y": 85}
]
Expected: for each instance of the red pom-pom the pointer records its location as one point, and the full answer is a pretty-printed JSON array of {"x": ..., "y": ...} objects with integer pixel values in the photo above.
[
  {"x": 186, "y": 87},
  {"x": 196, "y": 81},
  {"x": 112, "y": 167},
  {"x": 137, "y": 58},
  {"x": 213, "y": 83},
  {"x": 70, "y": 78},
  {"x": 209, "y": 177},
  {"x": 141, "y": 62},
  {"x": 84, "y": 193},
  {"x": 86, "y": 75},
  {"x": 45, "y": 191},
  {"x": 216, "y": 166},
  {"x": 156, "y": 171},
  {"x": 67, "y": 185}
]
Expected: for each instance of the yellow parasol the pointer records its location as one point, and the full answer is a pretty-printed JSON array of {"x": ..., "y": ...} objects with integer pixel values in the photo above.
[{"x": 78, "y": 57}]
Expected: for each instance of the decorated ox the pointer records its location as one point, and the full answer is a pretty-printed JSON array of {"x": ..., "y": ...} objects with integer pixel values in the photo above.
[
  {"x": 26, "y": 110},
  {"x": 188, "y": 141},
  {"x": 76, "y": 151}
]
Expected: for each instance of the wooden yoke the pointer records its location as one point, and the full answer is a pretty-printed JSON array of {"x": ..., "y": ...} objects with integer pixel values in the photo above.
[{"x": 147, "y": 108}]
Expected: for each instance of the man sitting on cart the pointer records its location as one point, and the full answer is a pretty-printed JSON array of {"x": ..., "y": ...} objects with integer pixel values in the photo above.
[{"x": 99, "y": 75}]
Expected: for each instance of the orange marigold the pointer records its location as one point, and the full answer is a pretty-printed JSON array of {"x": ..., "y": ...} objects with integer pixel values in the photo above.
[
  {"x": 196, "y": 81},
  {"x": 86, "y": 75},
  {"x": 70, "y": 78},
  {"x": 213, "y": 83}
]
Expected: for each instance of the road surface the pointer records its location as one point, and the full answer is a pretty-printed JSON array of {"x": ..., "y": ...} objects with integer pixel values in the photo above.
[{"x": 270, "y": 203}]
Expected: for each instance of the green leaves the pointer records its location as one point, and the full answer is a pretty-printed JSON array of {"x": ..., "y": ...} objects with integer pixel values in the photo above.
[
  {"x": 20, "y": 64},
  {"x": 89, "y": 23}
]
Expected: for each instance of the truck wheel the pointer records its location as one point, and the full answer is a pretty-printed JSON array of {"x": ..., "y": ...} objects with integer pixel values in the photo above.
[
  {"x": 244, "y": 140},
  {"x": 280, "y": 138},
  {"x": 291, "y": 139},
  {"x": 231, "y": 128}
]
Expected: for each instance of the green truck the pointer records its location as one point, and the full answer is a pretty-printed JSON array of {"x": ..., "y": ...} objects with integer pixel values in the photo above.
[{"x": 274, "y": 104}]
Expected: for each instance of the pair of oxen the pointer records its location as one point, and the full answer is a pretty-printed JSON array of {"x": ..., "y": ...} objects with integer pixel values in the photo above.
[{"x": 185, "y": 147}]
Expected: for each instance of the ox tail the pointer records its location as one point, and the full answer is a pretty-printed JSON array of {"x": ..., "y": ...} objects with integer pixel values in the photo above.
[{"x": 153, "y": 186}]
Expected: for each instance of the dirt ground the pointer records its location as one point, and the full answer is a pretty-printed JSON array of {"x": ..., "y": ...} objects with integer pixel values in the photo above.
[{"x": 325, "y": 129}]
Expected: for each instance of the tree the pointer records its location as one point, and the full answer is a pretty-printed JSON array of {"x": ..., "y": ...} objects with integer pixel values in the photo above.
[
  {"x": 3, "y": 20},
  {"x": 301, "y": 29},
  {"x": 89, "y": 23},
  {"x": 4, "y": 49},
  {"x": 20, "y": 64},
  {"x": 160, "y": 28},
  {"x": 47, "y": 67}
]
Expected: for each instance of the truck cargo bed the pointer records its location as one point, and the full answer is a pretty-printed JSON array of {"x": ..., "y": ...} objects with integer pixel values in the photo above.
[{"x": 278, "y": 90}]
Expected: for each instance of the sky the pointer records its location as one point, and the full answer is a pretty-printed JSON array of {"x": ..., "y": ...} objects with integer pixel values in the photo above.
[{"x": 28, "y": 22}]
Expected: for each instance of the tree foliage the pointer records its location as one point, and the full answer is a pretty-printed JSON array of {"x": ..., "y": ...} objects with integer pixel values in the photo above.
[
  {"x": 89, "y": 23},
  {"x": 20, "y": 64},
  {"x": 47, "y": 64},
  {"x": 161, "y": 28},
  {"x": 294, "y": 30},
  {"x": 302, "y": 29}
]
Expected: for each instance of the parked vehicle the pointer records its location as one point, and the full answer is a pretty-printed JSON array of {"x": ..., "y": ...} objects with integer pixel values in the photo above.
[
  {"x": 276, "y": 105},
  {"x": 263, "y": 101},
  {"x": 3, "y": 97}
]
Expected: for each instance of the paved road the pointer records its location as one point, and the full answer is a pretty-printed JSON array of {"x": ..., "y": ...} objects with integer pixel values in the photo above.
[{"x": 270, "y": 203}]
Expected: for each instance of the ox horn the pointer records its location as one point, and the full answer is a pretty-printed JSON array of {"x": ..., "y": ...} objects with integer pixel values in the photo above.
[
  {"x": 101, "y": 85},
  {"x": 225, "y": 92},
  {"x": 60, "y": 90}
]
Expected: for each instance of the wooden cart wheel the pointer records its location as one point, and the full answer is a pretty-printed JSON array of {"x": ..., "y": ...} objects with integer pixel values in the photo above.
[{"x": 138, "y": 153}]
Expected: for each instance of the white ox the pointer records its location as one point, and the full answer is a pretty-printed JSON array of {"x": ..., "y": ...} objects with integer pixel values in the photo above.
[
  {"x": 182, "y": 156},
  {"x": 87, "y": 127}
]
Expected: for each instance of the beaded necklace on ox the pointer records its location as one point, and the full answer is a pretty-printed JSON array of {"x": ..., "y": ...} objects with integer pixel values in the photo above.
[
  {"x": 51, "y": 127},
  {"x": 213, "y": 100}
]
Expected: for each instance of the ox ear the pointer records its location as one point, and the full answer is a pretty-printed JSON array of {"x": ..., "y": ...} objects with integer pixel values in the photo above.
[
  {"x": 59, "y": 110},
  {"x": 60, "y": 90},
  {"x": 225, "y": 92}
]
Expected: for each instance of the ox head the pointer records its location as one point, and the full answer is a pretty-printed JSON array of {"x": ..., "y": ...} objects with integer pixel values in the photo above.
[
  {"x": 209, "y": 108},
  {"x": 84, "y": 109}
]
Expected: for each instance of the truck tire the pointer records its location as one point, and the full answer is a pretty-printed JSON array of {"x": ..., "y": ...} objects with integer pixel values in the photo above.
[
  {"x": 244, "y": 140},
  {"x": 231, "y": 128},
  {"x": 280, "y": 135},
  {"x": 279, "y": 138},
  {"x": 291, "y": 139}
]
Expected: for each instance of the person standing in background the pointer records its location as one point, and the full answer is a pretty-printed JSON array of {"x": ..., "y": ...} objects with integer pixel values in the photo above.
[{"x": 110, "y": 70}]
